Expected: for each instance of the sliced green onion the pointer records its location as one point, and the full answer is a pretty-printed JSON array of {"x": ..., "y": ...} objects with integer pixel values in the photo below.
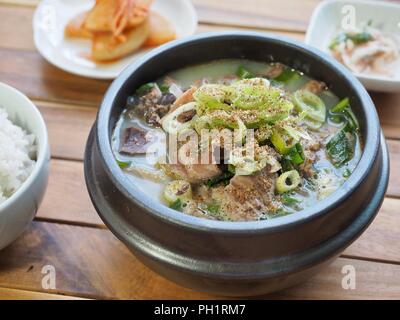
[
  {"x": 123, "y": 164},
  {"x": 243, "y": 73},
  {"x": 340, "y": 148},
  {"x": 282, "y": 142},
  {"x": 280, "y": 213},
  {"x": 288, "y": 199},
  {"x": 213, "y": 208},
  {"x": 223, "y": 178},
  {"x": 171, "y": 124},
  {"x": 177, "y": 190},
  {"x": 288, "y": 181},
  {"x": 336, "y": 118},
  {"x": 342, "y": 104},
  {"x": 287, "y": 165},
  {"x": 353, "y": 122},
  {"x": 346, "y": 173},
  {"x": 164, "y": 88},
  {"x": 311, "y": 124},
  {"x": 295, "y": 154},
  {"x": 311, "y": 104},
  {"x": 145, "y": 88},
  {"x": 287, "y": 75},
  {"x": 176, "y": 205},
  {"x": 343, "y": 108}
]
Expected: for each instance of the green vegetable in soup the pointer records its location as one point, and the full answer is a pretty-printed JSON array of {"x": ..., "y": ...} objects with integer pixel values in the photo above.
[
  {"x": 346, "y": 173},
  {"x": 295, "y": 154},
  {"x": 257, "y": 94},
  {"x": 177, "y": 190},
  {"x": 211, "y": 97},
  {"x": 351, "y": 118},
  {"x": 282, "y": 141},
  {"x": 164, "y": 88},
  {"x": 213, "y": 208},
  {"x": 343, "y": 109},
  {"x": 176, "y": 205},
  {"x": 312, "y": 124},
  {"x": 341, "y": 147},
  {"x": 287, "y": 75},
  {"x": 171, "y": 124},
  {"x": 288, "y": 181},
  {"x": 341, "y": 105},
  {"x": 311, "y": 105},
  {"x": 243, "y": 73},
  {"x": 247, "y": 94},
  {"x": 245, "y": 165},
  {"x": 223, "y": 178},
  {"x": 145, "y": 88},
  {"x": 253, "y": 101},
  {"x": 123, "y": 164},
  {"x": 288, "y": 199}
]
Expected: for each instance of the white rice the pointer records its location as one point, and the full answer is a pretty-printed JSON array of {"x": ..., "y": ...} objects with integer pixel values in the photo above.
[{"x": 17, "y": 149}]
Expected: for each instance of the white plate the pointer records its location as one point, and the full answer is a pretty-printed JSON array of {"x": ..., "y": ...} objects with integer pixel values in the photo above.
[
  {"x": 325, "y": 22},
  {"x": 51, "y": 17}
]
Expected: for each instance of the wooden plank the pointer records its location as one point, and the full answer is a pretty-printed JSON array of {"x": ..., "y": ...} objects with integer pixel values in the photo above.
[
  {"x": 204, "y": 27},
  {"x": 13, "y": 294},
  {"x": 93, "y": 263},
  {"x": 270, "y": 14},
  {"x": 31, "y": 3},
  {"x": 88, "y": 262},
  {"x": 16, "y": 27},
  {"x": 68, "y": 128},
  {"x": 394, "y": 152},
  {"x": 373, "y": 281},
  {"x": 388, "y": 107},
  {"x": 380, "y": 241},
  {"x": 67, "y": 199},
  {"x": 30, "y": 73}
]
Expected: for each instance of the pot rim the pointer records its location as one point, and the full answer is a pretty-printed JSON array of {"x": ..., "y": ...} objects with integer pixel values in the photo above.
[{"x": 159, "y": 210}]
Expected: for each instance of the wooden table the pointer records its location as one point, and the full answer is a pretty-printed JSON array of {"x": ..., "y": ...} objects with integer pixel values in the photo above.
[{"x": 68, "y": 234}]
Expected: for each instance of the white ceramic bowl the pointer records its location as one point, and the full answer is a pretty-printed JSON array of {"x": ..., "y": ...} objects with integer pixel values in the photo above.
[
  {"x": 19, "y": 210},
  {"x": 326, "y": 20}
]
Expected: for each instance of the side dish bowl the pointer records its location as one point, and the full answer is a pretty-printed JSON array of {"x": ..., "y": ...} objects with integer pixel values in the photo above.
[
  {"x": 236, "y": 258},
  {"x": 17, "y": 211},
  {"x": 326, "y": 20}
]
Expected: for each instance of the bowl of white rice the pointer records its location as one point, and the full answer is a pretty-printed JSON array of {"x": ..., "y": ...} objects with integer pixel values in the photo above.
[{"x": 24, "y": 162}]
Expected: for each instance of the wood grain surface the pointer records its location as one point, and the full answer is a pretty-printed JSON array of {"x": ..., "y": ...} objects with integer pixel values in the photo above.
[
  {"x": 92, "y": 263},
  {"x": 68, "y": 234}
]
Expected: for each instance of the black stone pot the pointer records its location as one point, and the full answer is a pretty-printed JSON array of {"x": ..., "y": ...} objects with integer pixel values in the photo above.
[{"x": 236, "y": 258}]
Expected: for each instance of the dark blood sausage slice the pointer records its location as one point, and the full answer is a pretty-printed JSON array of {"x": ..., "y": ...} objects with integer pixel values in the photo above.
[
  {"x": 186, "y": 116},
  {"x": 135, "y": 141},
  {"x": 167, "y": 99}
]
